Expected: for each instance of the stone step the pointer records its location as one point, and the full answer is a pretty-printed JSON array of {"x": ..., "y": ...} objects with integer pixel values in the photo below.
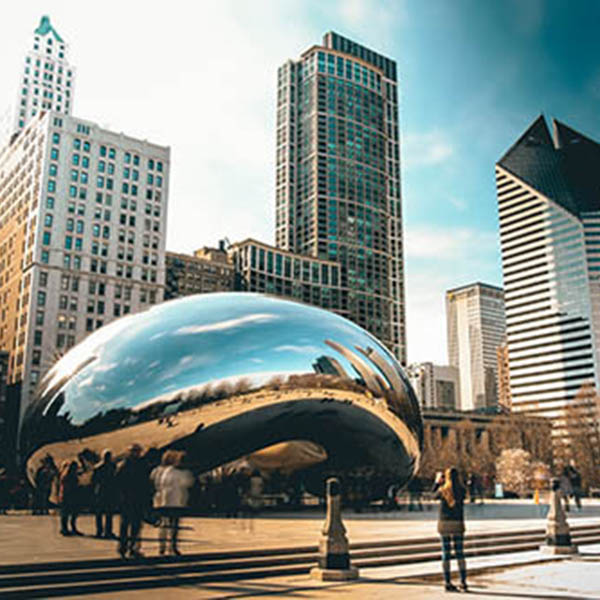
[{"x": 99, "y": 576}]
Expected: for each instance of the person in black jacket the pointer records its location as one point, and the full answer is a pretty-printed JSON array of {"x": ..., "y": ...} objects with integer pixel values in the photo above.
[
  {"x": 451, "y": 524},
  {"x": 69, "y": 498},
  {"x": 131, "y": 485},
  {"x": 103, "y": 486}
]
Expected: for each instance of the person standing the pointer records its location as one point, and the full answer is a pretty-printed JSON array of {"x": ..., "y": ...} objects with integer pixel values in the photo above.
[
  {"x": 4, "y": 495},
  {"x": 131, "y": 487},
  {"x": 565, "y": 487},
  {"x": 575, "y": 478},
  {"x": 171, "y": 484},
  {"x": 103, "y": 486},
  {"x": 69, "y": 498},
  {"x": 451, "y": 524}
]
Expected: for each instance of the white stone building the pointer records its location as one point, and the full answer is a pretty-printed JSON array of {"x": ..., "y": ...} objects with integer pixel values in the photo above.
[
  {"x": 476, "y": 327},
  {"x": 83, "y": 216},
  {"x": 436, "y": 386},
  {"x": 46, "y": 81}
]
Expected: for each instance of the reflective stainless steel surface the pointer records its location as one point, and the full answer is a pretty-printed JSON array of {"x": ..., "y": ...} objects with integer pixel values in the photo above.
[{"x": 226, "y": 376}]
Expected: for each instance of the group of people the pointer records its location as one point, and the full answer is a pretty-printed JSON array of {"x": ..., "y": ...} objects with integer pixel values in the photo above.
[{"x": 134, "y": 487}]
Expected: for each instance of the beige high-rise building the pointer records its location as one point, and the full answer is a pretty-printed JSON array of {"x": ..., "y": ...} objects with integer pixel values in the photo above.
[
  {"x": 82, "y": 237},
  {"x": 436, "y": 386},
  {"x": 46, "y": 81},
  {"x": 476, "y": 327},
  {"x": 504, "y": 395}
]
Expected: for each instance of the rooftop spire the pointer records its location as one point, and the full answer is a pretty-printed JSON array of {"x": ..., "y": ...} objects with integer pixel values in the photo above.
[{"x": 45, "y": 27}]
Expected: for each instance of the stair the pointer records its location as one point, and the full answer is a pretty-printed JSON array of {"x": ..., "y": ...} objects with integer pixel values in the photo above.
[{"x": 78, "y": 578}]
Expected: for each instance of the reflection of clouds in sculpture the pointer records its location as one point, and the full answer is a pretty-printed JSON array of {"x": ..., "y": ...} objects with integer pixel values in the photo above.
[
  {"x": 241, "y": 355},
  {"x": 225, "y": 325}
]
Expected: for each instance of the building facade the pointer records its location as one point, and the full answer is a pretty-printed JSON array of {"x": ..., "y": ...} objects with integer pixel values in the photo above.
[
  {"x": 82, "y": 237},
  {"x": 437, "y": 386},
  {"x": 263, "y": 268},
  {"x": 547, "y": 186},
  {"x": 208, "y": 270},
  {"x": 338, "y": 192},
  {"x": 476, "y": 327},
  {"x": 47, "y": 81},
  {"x": 504, "y": 397}
]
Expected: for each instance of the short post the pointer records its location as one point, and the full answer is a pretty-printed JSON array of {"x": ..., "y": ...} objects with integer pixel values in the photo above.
[
  {"x": 334, "y": 556},
  {"x": 558, "y": 534}
]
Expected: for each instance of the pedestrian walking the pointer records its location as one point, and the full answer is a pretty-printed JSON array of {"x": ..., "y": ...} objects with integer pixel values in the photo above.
[
  {"x": 131, "y": 487},
  {"x": 103, "y": 487},
  {"x": 451, "y": 524},
  {"x": 565, "y": 487},
  {"x": 68, "y": 497},
  {"x": 171, "y": 484}
]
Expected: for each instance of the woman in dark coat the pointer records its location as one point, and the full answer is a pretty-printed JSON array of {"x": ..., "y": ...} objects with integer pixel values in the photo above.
[
  {"x": 69, "y": 498},
  {"x": 451, "y": 524}
]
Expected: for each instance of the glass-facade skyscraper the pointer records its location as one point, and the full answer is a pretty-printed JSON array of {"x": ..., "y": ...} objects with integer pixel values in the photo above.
[
  {"x": 549, "y": 206},
  {"x": 338, "y": 192}
]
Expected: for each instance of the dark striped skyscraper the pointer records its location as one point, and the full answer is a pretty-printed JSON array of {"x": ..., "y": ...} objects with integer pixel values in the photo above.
[
  {"x": 549, "y": 205},
  {"x": 338, "y": 179}
]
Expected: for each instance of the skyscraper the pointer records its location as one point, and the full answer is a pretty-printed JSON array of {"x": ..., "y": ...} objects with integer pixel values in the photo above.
[
  {"x": 549, "y": 206},
  {"x": 338, "y": 177},
  {"x": 476, "y": 327},
  {"x": 82, "y": 237},
  {"x": 82, "y": 221},
  {"x": 47, "y": 81}
]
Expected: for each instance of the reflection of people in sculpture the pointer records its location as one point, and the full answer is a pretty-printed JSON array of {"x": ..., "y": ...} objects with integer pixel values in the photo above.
[
  {"x": 132, "y": 485},
  {"x": 255, "y": 491},
  {"x": 103, "y": 486},
  {"x": 171, "y": 484},
  {"x": 451, "y": 524}
]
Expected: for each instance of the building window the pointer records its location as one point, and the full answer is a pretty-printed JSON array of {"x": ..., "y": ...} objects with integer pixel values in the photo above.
[{"x": 37, "y": 337}]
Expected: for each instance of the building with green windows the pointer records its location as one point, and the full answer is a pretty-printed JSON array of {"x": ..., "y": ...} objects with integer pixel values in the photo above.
[
  {"x": 263, "y": 268},
  {"x": 338, "y": 177}
]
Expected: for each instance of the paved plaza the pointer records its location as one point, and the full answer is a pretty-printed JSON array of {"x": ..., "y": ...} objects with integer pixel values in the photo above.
[{"x": 516, "y": 575}]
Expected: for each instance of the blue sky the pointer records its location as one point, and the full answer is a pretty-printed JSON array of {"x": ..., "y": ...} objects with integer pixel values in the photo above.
[{"x": 201, "y": 76}]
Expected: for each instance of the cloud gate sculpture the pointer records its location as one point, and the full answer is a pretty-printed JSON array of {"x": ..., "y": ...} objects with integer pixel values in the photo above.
[{"x": 230, "y": 376}]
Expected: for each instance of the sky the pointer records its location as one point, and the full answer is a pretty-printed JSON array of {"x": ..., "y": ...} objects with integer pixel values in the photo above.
[{"x": 200, "y": 77}]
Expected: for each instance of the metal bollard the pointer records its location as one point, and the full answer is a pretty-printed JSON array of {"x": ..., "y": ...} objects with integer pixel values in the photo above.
[
  {"x": 334, "y": 556},
  {"x": 558, "y": 534}
]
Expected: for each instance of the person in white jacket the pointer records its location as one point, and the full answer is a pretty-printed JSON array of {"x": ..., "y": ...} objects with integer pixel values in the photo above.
[{"x": 171, "y": 485}]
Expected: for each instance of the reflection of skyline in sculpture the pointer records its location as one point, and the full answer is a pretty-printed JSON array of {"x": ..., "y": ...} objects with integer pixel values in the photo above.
[{"x": 227, "y": 375}]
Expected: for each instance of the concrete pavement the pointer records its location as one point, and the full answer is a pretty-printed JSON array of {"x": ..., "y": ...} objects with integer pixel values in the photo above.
[{"x": 28, "y": 539}]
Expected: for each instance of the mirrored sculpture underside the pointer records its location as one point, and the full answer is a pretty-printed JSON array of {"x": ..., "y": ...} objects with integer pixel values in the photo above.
[{"x": 227, "y": 376}]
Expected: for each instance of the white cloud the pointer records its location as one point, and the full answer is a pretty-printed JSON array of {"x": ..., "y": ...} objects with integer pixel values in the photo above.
[
  {"x": 426, "y": 149},
  {"x": 445, "y": 244},
  {"x": 307, "y": 349},
  {"x": 458, "y": 203},
  {"x": 439, "y": 259}
]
